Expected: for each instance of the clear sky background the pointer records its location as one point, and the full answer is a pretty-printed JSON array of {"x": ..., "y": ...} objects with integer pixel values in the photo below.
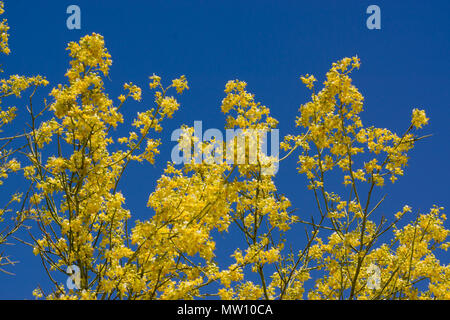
[{"x": 268, "y": 44}]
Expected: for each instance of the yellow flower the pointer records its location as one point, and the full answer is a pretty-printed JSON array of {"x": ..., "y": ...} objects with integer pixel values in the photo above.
[
  {"x": 308, "y": 80},
  {"x": 419, "y": 118},
  {"x": 180, "y": 84}
]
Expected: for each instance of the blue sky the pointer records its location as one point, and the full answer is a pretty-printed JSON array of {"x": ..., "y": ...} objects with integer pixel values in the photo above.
[{"x": 268, "y": 44}]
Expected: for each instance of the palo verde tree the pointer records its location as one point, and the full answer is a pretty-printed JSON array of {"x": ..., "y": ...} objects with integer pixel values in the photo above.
[{"x": 75, "y": 165}]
